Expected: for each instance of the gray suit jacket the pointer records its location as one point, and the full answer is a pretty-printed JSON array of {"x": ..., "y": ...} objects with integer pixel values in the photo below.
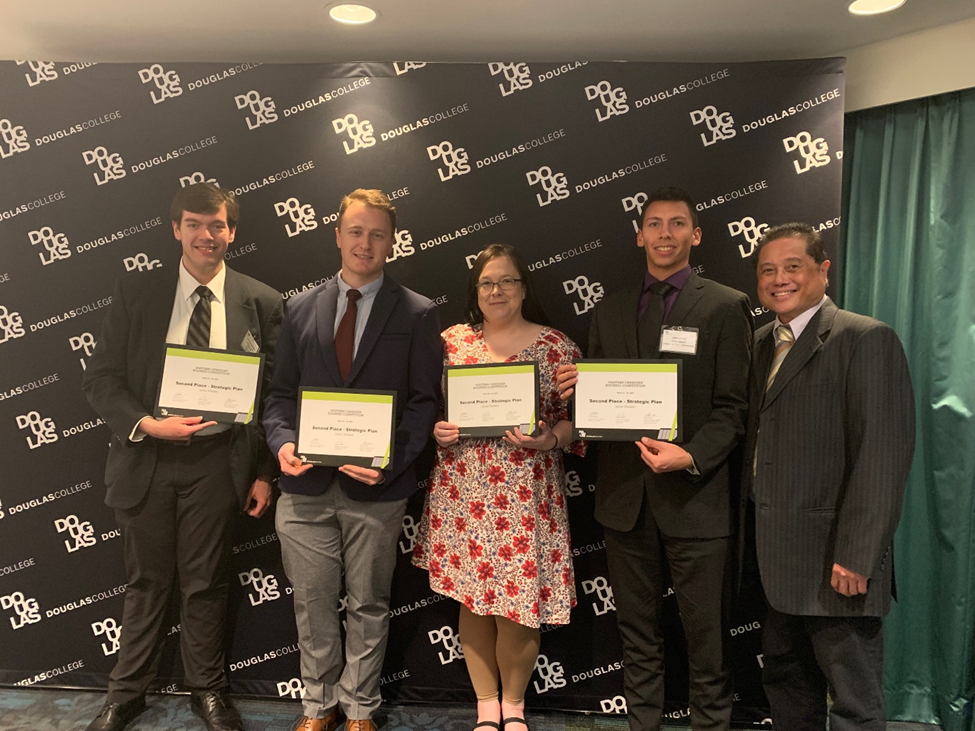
[
  {"x": 122, "y": 377},
  {"x": 714, "y": 403},
  {"x": 835, "y": 439}
]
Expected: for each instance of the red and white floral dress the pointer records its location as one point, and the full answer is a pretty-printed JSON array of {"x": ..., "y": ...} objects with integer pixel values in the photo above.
[{"x": 495, "y": 528}]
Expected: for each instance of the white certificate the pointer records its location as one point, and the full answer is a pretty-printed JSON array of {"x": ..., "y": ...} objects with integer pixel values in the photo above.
[
  {"x": 346, "y": 426},
  {"x": 627, "y": 400},
  {"x": 215, "y": 384},
  {"x": 489, "y": 399}
]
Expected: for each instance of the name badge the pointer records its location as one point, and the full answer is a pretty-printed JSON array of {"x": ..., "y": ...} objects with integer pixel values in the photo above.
[{"x": 679, "y": 340}]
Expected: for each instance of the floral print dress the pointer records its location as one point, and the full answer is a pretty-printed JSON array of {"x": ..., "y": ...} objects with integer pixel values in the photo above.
[{"x": 495, "y": 529}]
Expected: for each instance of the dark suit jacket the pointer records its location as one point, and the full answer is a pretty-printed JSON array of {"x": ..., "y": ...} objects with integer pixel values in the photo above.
[
  {"x": 123, "y": 373},
  {"x": 400, "y": 351},
  {"x": 715, "y": 398},
  {"x": 835, "y": 439}
]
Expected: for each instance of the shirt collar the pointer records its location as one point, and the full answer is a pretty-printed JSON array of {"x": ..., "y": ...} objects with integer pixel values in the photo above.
[
  {"x": 677, "y": 280},
  {"x": 367, "y": 290},
  {"x": 799, "y": 322},
  {"x": 188, "y": 283}
]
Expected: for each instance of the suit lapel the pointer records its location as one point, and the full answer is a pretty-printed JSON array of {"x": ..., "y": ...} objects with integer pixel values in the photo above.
[
  {"x": 239, "y": 311},
  {"x": 325, "y": 308},
  {"x": 628, "y": 319},
  {"x": 386, "y": 300},
  {"x": 808, "y": 344},
  {"x": 162, "y": 295},
  {"x": 689, "y": 296}
]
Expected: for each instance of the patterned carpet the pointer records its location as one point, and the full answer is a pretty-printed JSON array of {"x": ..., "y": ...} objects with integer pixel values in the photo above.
[{"x": 37, "y": 709}]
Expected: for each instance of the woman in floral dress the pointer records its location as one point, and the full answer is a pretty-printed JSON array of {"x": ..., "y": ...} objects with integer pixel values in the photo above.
[{"x": 494, "y": 534}]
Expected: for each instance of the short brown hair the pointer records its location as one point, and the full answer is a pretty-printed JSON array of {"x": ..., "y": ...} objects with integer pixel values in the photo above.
[
  {"x": 204, "y": 198},
  {"x": 803, "y": 231},
  {"x": 371, "y": 197}
]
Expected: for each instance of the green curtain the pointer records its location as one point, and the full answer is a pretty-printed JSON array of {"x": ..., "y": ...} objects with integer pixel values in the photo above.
[{"x": 908, "y": 258}]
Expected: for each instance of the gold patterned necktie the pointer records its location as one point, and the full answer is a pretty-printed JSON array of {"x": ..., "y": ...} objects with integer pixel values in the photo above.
[{"x": 784, "y": 339}]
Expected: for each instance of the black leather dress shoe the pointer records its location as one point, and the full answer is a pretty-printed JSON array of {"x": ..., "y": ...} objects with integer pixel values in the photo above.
[
  {"x": 217, "y": 711},
  {"x": 116, "y": 716}
]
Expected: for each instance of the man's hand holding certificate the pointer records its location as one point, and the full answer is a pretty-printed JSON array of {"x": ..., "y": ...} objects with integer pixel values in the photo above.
[
  {"x": 216, "y": 385},
  {"x": 342, "y": 426}
]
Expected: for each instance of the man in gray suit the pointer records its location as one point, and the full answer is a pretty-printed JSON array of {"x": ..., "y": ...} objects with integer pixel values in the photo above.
[
  {"x": 828, "y": 450},
  {"x": 178, "y": 484}
]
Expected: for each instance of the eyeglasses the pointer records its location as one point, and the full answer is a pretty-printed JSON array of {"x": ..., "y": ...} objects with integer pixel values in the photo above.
[{"x": 505, "y": 285}]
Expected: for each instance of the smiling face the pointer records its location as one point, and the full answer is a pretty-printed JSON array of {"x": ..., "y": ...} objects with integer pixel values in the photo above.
[
  {"x": 496, "y": 305},
  {"x": 204, "y": 238},
  {"x": 667, "y": 235},
  {"x": 789, "y": 279},
  {"x": 365, "y": 238}
]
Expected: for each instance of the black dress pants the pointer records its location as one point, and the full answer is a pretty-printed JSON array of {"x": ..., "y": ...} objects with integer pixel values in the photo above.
[
  {"x": 179, "y": 534},
  {"x": 701, "y": 571}
]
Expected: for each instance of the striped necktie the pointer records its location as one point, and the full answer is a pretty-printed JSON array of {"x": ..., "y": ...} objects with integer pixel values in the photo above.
[
  {"x": 784, "y": 340},
  {"x": 198, "y": 333}
]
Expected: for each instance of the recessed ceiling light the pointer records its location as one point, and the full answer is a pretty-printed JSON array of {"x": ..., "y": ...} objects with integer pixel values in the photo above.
[
  {"x": 352, "y": 13},
  {"x": 874, "y": 7}
]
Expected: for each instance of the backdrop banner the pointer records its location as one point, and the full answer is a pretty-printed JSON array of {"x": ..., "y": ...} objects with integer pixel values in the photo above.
[{"x": 554, "y": 158}]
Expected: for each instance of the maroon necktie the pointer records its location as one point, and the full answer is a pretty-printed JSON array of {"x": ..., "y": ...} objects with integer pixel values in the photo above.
[{"x": 345, "y": 335}]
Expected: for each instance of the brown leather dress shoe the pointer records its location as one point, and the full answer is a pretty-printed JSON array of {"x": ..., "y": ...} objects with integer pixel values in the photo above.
[
  {"x": 355, "y": 724},
  {"x": 329, "y": 723}
]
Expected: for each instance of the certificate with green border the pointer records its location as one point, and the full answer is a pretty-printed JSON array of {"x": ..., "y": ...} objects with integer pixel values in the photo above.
[
  {"x": 488, "y": 399},
  {"x": 626, "y": 400},
  {"x": 338, "y": 426},
  {"x": 219, "y": 385}
]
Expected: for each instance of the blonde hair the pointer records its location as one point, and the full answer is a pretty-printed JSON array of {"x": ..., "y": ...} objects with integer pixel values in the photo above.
[{"x": 371, "y": 197}]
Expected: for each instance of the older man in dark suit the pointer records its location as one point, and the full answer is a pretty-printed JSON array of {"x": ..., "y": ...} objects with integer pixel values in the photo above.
[
  {"x": 177, "y": 484},
  {"x": 360, "y": 330},
  {"x": 665, "y": 502},
  {"x": 829, "y": 447}
]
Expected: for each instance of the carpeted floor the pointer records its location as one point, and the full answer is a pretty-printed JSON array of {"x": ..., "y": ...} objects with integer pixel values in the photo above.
[{"x": 37, "y": 709}]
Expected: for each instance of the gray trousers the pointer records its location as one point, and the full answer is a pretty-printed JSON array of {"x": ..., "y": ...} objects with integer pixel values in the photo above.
[{"x": 323, "y": 537}]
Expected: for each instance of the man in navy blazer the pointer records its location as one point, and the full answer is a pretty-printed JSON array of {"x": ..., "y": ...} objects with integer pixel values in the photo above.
[{"x": 360, "y": 330}]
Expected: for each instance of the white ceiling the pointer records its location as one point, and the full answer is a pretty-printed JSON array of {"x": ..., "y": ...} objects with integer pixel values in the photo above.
[{"x": 453, "y": 30}]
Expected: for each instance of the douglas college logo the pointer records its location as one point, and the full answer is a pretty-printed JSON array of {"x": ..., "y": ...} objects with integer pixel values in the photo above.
[
  {"x": 555, "y": 185},
  {"x": 518, "y": 76},
  {"x": 616, "y": 704},
  {"x": 167, "y": 83},
  {"x": 451, "y": 642},
  {"x": 112, "y": 165},
  {"x": 403, "y": 246},
  {"x": 635, "y": 203},
  {"x": 11, "y": 326},
  {"x": 721, "y": 126},
  {"x": 302, "y": 216},
  {"x": 140, "y": 262},
  {"x": 265, "y": 587},
  {"x": 404, "y": 66},
  {"x": 603, "y": 591},
  {"x": 613, "y": 100},
  {"x": 550, "y": 674},
  {"x": 14, "y": 139},
  {"x": 589, "y": 294},
  {"x": 55, "y": 245},
  {"x": 44, "y": 430},
  {"x": 410, "y": 529},
  {"x": 455, "y": 158},
  {"x": 82, "y": 533},
  {"x": 86, "y": 341},
  {"x": 43, "y": 71},
  {"x": 359, "y": 132},
  {"x": 195, "y": 178},
  {"x": 292, "y": 688},
  {"x": 262, "y": 109},
  {"x": 751, "y": 231},
  {"x": 814, "y": 152},
  {"x": 27, "y": 610},
  {"x": 112, "y": 631}
]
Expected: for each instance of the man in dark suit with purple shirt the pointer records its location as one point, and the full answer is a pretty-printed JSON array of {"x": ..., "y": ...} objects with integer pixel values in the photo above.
[
  {"x": 360, "y": 330},
  {"x": 661, "y": 502}
]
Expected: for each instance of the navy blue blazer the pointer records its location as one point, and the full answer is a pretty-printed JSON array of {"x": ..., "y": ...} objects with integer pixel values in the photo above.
[{"x": 400, "y": 351}]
